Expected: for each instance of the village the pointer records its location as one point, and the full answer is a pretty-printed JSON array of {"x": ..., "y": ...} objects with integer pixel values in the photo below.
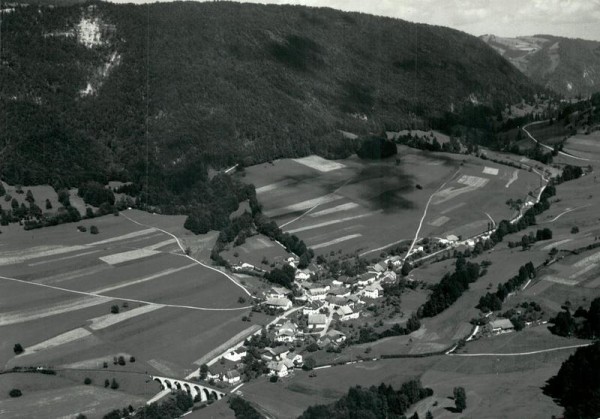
[{"x": 313, "y": 312}]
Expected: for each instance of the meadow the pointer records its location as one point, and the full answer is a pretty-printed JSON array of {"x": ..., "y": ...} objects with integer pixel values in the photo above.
[
  {"x": 58, "y": 301},
  {"x": 361, "y": 206}
]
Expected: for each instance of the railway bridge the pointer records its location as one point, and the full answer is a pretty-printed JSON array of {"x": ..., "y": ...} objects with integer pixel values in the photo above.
[{"x": 205, "y": 393}]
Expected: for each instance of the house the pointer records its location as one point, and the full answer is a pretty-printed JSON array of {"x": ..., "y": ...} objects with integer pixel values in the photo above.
[
  {"x": 317, "y": 321},
  {"x": 337, "y": 282},
  {"x": 296, "y": 358},
  {"x": 286, "y": 333},
  {"x": 277, "y": 368},
  {"x": 337, "y": 301},
  {"x": 232, "y": 377},
  {"x": 366, "y": 279},
  {"x": 501, "y": 325},
  {"x": 396, "y": 261},
  {"x": 380, "y": 267},
  {"x": 349, "y": 281},
  {"x": 452, "y": 238},
  {"x": 389, "y": 277},
  {"x": 279, "y": 303},
  {"x": 335, "y": 336},
  {"x": 212, "y": 374},
  {"x": 273, "y": 354},
  {"x": 312, "y": 308},
  {"x": 339, "y": 292},
  {"x": 236, "y": 355},
  {"x": 373, "y": 291},
  {"x": 316, "y": 294},
  {"x": 278, "y": 292},
  {"x": 346, "y": 313},
  {"x": 302, "y": 275}
]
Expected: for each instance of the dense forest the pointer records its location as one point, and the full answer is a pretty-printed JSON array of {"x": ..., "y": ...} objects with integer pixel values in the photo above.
[
  {"x": 173, "y": 88},
  {"x": 576, "y": 387},
  {"x": 373, "y": 402}
]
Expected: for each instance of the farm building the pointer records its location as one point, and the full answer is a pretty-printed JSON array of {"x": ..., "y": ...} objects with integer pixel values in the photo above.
[
  {"x": 236, "y": 355},
  {"x": 331, "y": 338},
  {"x": 278, "y": 292},
  {"x": 396, "y": 261},
  {"x": 317, "y": 294},
  {"x": 501, "y": 325},
  {"x": 317, "y": 321},
  {"x": 380, "y": 267},
  {"x": 346, "y": 313},
  {"x": 339, "y": 292},
  {"x": 389, "y": 277},
  {"x": 312, "y": 308},
  {"x": 366, "y": 279},
  {"x": 296, "y": 358},
  {"x": 282, "y": 303},
  {"x": 278, "y": 368}
]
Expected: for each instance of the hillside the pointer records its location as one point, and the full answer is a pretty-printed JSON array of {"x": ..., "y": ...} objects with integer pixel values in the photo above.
[
  {"x": 165, "y": 90},
  {"x": 568, "y": 66}
]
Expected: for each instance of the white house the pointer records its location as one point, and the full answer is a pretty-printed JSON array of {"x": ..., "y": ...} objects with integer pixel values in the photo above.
[
  {"x": 316, "y": 294},
  {"x": 373, "y": 291},
  {"x": 302, "y": 275},
  {"x": 317, "y": 321},
  {"x": 366, "y": 279},
  {"x": 296, "y": 358},
  {"x": 396, "y": 261},
  {"x": 278, "y": 292},
  {"x": 232, "y": 377},
  {"x": 282, "y": 303},
  {"x": 312, "y": 308},
  {"x": 286, "y": 333},
  {"x": 277, "y": 368},
  {"x": 236, "y": 355}
]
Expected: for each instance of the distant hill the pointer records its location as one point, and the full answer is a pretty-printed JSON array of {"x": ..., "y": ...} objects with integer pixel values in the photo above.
[
  {"x": 570, "y": 67},
  {"x": 165, "y": 90}
]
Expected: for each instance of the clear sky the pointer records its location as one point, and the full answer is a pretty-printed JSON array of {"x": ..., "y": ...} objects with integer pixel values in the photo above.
[{"x": 570, "y": 18}]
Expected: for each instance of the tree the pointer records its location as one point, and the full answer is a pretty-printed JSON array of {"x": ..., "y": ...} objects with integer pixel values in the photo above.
[
  {"x": 15, "y": 392},
  {"x": 106, "y": 383},
  {"x": 18, "y": 349},
  {"x": 121, "y": 360},
  {"x": 460, "y": 398},
  {"x": 429, "y": 415},
  {"x": 114, "y": 309},
  {"x": 87, "y": 381},
  {"x": 2, "y": 190},
  {"x": 406, "y": 268},
  {"x": 203, "y": 371},
  {"x": 113, "y": 384},
  {"x": 29, "y": 196},
  {"x": 309, "y": 364},
  {"x": 94, "y": 230}
]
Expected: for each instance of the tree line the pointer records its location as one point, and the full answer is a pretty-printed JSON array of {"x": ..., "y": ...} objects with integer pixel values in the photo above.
[{"x": 493, "y": 301}]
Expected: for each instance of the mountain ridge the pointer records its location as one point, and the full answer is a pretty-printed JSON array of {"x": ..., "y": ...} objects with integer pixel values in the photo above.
[{"x": 198, "y": 84}]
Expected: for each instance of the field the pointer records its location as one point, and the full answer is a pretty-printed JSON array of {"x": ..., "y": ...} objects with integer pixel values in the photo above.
[
  {"x": 57, "y": 287},
  {"x": 354, "y": 205},
  {"x": 483, "y": 378}
]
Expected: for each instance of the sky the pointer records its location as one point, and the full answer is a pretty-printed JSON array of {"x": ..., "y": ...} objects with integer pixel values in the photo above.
[{"x": 570, "y": 18}]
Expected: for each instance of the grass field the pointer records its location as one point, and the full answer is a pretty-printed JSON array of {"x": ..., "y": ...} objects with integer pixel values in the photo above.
[
  {"x": 483, "y": 378},
  {"x": 56, "y": 301},
  {"x": 359, "y": 206}
]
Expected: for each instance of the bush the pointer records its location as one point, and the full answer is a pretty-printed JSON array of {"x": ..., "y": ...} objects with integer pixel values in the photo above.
[
  {"x": 15, "y": 392},
  {"x": 106, "y": 383},
  {"x": 273, "y": 379},
  {"x": 132, "y": 359},
  {"x": 94, "y": 230},
  {"x": 121, "y": 360},
  {"x": 87, "y": 381},
  {"x": 575, "y": 230},
  {"x": 83, "y": 229},
  {"x": 114, "y": 309},
  {"x": 18, "y": 349}
]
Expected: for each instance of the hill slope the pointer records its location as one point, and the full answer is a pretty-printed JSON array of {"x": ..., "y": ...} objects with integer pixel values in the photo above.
[
  {"x": 568, "y": 66},
  {"x": 220, "y": 82}
]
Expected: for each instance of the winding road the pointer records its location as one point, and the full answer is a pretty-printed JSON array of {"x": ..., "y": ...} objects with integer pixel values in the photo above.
[{"x": 562, "y": 153}]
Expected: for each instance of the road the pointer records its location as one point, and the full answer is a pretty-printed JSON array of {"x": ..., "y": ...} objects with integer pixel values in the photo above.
[
  {"x": 541, "y": 351},
  {"x": 565, "y": 212},
  {"x": 547, "y": 146},
  {"x": 188, "y": 256}
]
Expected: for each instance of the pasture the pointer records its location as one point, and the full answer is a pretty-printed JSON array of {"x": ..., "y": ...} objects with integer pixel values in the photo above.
[
  {"x": 481, "y": 377},
  {"x": 57, "y": 300},
  {"x": 361, "y": 206}
]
